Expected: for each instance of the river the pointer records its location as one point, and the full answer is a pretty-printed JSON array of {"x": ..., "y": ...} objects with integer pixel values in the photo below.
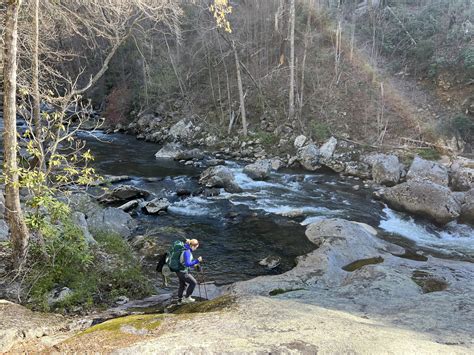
[{"x": 238, "y": 230}]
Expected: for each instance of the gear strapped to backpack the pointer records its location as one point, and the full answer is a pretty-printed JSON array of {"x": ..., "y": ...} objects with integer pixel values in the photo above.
[{"x": 174, "y": 256}]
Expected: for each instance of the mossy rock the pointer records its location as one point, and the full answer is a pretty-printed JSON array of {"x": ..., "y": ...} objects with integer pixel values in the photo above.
[
  {"x": 356, "y": 265},
  {"x": 280, "y": 291},
  {"x": 146, "y": 322},
  {"x": 217, "y": 304},
  {"x": 428, "y": 282}
]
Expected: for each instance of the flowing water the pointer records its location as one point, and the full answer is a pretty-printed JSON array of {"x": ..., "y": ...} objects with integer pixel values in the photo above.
[{"x": 237, "y": 230}]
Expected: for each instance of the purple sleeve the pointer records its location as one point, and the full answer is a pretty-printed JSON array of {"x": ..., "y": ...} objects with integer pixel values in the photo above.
[{"x": 187, "y": 259}]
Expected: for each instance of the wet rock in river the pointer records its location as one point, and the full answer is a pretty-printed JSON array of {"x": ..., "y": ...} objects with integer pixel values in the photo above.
[
  {"x": 220, "y": 177},
  {"x": 169, "y": 151},
  {"x": 189, "y": 154},
  {"x": 130, "y": 205},
  {"x": 156, "y": 206},
  {"x": 426, "y": 199},
  {"x": 260, "y": 170},
  {"x": 122, "y": 194},
  {"x": 270, "y": 262}
]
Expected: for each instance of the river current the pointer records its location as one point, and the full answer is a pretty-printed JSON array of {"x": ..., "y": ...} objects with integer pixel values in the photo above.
[{"x": 238, "y": 230}]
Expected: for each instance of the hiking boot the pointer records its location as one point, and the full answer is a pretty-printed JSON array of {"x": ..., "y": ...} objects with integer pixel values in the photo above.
[{"x": 188, "y": 300}]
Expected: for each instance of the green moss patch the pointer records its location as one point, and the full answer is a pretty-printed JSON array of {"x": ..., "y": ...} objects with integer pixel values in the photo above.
[
  {"x": 428, "y": 282},
  {"x": 217, "y": 304},
  {"x": 144, "y": 321},
  {"x": 356, "y": 265}
]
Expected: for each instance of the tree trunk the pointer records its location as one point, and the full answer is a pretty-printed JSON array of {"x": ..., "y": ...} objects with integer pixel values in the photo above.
[
  {"x": 18, "y": 230},
  {"x": 291, "y": 110},
  {"x": 35, "y": 86},
  {"x": 241, "y": 90}
]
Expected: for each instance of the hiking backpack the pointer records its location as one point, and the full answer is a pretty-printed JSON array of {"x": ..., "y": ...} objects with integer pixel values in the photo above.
[{"x": 174, "y": 256}]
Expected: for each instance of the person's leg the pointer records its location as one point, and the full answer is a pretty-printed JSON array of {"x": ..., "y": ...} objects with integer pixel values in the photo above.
[
  {"x": 182, "y": 284},
  {"x": 191, "y": 281}
]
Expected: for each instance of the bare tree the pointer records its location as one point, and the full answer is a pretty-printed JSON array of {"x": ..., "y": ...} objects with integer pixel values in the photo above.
[
  {"x": 291, "y": 109},
  {"x": 19, "y": 231}
]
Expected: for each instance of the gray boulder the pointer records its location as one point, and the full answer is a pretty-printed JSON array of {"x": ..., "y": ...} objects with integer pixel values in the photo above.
[
  {"x": 270, "y": 262},
  {"x": 181, "y": 130},
  {"x": 80, "y": 220},
  {"x": 111, "y": 220},
  {"x": 386, "y": 170},
  {"x": 308, "y": 157},
  {"x": 424, "y": 198},
  {"x": 58, "y": 295},
  {"x": 360, "y": 169},
  {"x": 300, "y": 141},
  {"x": 260, "y": 170},
  {"x": 156, "y": 205},
  {"x": 425, "y": 170},
  {"x": 122, "y": 194},
  {"x": 327, "y": 149},
  {"x": 467, "y": 208},
  {"x": 189, "y": 154},
  {"x": 130, "y": 205},
  {"x": 462, "y": 179},
  {"x": 4, "y": 230},
  {"x": 221, "y": 177},
  {"x": 169, "y": 151}
]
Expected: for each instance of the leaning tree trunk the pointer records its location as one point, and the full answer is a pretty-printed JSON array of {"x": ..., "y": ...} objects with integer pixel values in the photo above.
[{"x": 18, "y": 230}]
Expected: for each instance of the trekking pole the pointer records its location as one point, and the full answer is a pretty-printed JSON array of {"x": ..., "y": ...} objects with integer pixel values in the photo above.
[{"x": 204, "y": 282}]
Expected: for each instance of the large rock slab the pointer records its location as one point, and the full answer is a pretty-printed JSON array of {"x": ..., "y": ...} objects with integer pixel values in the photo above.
[
  {"x": 386, "y": 170},
  {"x": 425, "y": 170},
  {"x": 111, "y": 220},
  {"x": 308, "y": 157},
  {"x": 426, "y": 199},
  {"x": 260, "y": 170},
  {"x": 18, "y": 324},
  {"x": 221, "y": 177}
]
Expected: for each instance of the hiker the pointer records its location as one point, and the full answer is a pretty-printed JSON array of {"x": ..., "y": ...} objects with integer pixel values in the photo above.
[{"x": 186, "y": 262}]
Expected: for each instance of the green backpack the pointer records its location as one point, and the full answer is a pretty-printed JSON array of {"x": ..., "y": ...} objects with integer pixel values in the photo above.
[{"x": 174, "y": 256}]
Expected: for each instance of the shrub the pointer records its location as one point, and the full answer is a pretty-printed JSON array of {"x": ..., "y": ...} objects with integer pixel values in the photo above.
[
  {"x": 95, "y": 274},
  {"x": 320, "y": 131},
  {"x": 267, "y": 138},
  {"x": 464, "y": 126}
]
